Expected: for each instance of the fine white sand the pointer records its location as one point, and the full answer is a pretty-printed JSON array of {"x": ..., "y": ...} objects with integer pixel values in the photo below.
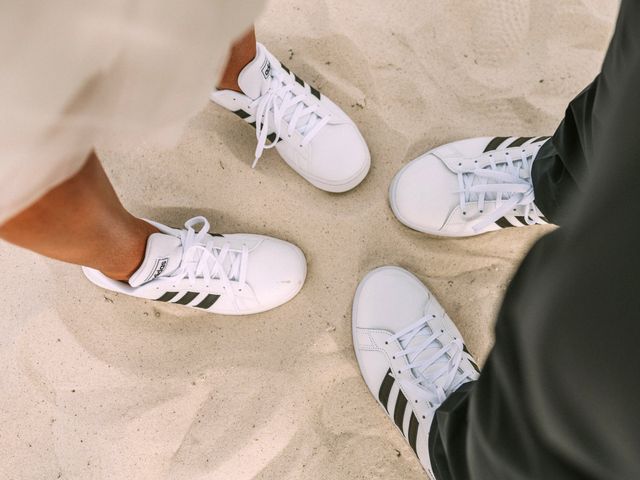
[{"x": 102, "y": 386}]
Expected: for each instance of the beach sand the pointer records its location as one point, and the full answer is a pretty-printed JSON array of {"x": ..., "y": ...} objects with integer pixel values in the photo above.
[{"x": 96, "y": 385}]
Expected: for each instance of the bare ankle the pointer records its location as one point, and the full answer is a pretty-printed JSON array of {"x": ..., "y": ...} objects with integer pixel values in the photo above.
[
  {"x": 229, "y": 85},
  {"x": 130, "y": 252},
  {"x": 242, "y": 53}
]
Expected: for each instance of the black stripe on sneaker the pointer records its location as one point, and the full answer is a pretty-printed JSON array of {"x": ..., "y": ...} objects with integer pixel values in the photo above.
[
  {"x": 504, "y": 223},
  {"x": 315, "y": 92},
  {"x": 187, "y": 298},
  {"x": 208, "y": 301},
  {"x": 284, "y": 67},
  {"x": 242, "y": 114},
  {"x": 271, "y": 137},
  {"x": 299, "y": 80},
  {"x": 166, "y": 297},
  {"x": 413, "y": 432},
  {"x": 473, "y": 363},
  {"x": 540, "y": 139},
  {"x": 385, "y": 389},
  {"x": 398, "y": 413},
  {"x": 520, "y": 141},
  {"x": 495, "y": 143}
]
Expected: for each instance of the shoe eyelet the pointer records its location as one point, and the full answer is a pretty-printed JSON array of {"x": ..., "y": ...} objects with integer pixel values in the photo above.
[
  {"x": 441, "y": 331},
  {"x": 423, "y": 417},
  {"x": 433, "y": 315},
  {"x": 460, "y": 164},
  {"x": 464, "y": 213},
  {"x": 386, "y": 343},
  {"x": 475, "y": 161},
  {"x": 481, "y": 211},
  {"x": 399, "y": 372}
]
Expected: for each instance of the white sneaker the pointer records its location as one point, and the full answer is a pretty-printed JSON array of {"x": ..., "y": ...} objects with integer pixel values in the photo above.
[
  {"x": 469, "y": 187},
  {"x": 236, "y": 274},
  {"x": 311, "y": 133},
  {"x": 411, "y": 355}
]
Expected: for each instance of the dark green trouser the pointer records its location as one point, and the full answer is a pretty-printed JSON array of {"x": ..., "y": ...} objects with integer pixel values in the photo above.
[{"x": 559, "y": 397}]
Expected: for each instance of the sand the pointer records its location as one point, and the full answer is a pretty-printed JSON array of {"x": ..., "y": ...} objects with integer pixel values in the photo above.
[{"x": 101, "y": 386}]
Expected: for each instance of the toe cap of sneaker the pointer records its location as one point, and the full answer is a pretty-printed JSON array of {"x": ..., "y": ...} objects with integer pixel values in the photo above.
[
  {"x": 277, "y": 272},
  {"x": 389, "y": 298},
  {"x": 339, "y": 157},
  {"x": 424, "y": 193}
]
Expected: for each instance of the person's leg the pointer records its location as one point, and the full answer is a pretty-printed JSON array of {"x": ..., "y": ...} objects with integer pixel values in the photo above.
[
  {"x": 82, "y": 221},
  {"x": 241, "y": 54},
  {"x": 558, "y": 395},
  {"x": 561, "y": 165}
]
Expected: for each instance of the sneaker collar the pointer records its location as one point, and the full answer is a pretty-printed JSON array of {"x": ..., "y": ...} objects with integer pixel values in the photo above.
[{"x": 254, "y": 79}]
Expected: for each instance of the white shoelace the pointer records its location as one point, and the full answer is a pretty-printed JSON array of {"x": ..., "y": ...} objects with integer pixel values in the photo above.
[
  {"x": 507, "y": 182},
  {"x": 279, "y": 103},
  {"x": 202, "y": 261},
  {"x": 436, "y": 383}
]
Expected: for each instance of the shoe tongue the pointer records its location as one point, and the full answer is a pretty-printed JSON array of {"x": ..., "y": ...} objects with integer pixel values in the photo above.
[
  {"x": 162, "y": 258},
  {"x": 492, "y": 196},
  {"x": 254, "y": 79},
  {"x": 433, "y": 349}
]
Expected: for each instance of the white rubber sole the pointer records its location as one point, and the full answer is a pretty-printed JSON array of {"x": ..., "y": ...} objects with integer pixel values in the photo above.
[{"x": 352, "y": 183}]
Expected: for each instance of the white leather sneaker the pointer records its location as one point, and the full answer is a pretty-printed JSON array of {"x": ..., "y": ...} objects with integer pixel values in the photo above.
[
  {"x": 311, "y": 133},
  {"x": 411, "y": 355},
  {"x": 469, "y": 187},
  {"x": 237, "y": 274}
]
